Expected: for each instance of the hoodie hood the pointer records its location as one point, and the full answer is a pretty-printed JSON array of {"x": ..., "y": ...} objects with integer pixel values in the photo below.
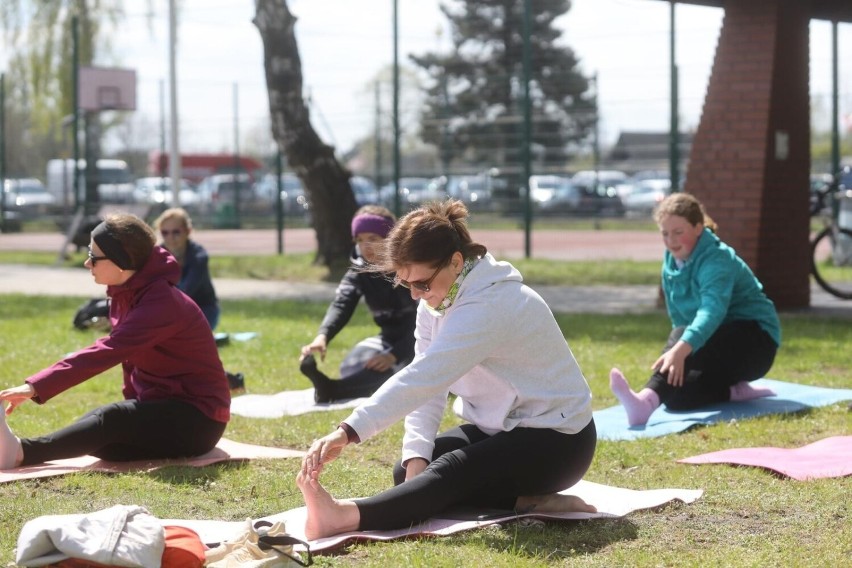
[
  {"x": 161, "y": 265},
  {"x": 487, "y": 272}
]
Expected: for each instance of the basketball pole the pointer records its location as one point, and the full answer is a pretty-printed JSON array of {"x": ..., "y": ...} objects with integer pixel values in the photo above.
[{"x": 174, "y": 155}]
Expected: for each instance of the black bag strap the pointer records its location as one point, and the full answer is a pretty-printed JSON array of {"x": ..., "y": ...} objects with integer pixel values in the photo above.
[{"x": 279, "y": 542}]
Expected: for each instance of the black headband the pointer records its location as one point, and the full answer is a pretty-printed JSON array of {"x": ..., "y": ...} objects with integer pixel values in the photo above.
[{"x": 111, "y": 246}]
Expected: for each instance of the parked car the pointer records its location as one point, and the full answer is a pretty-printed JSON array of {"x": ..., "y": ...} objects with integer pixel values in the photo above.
[
  {"x": 217, "y": 193},
  {"x": 366, "y": 192},
  {"x": 551, "y": 195},
  {"x": 28, "y": 198},
  {"x": 113, "y": 178},
  {"x": 588, "y": 178},
  {"x": 157, "y": 191},
  {"x": 474, "y": 190},
  {"x": 600, "y": 201},
  {"x": 293, "y": 198},
  {"x": 845, "y": 176},
  {"x": 644, "y": 196},
  {"x": 413, "y": 191}
]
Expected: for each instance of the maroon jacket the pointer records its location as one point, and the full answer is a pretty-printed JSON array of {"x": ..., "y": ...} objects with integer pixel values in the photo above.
[{"x": 161, "y": 339}]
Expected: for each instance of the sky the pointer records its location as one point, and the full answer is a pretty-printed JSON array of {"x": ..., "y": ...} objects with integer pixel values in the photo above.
[{"x": 345, "y": 43}]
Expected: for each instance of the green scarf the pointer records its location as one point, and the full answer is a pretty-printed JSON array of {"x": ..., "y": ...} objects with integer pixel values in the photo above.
[{"x": 453, "y": 291}]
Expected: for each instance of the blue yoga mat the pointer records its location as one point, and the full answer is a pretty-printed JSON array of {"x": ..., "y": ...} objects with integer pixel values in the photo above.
[{"x": 611, "y": 423}]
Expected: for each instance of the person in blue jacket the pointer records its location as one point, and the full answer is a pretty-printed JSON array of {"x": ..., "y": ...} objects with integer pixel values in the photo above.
[
  {"x": 175, "y": 227},
  {"x": 725, "y": 331},
  {"x": 373, "y": 360}
]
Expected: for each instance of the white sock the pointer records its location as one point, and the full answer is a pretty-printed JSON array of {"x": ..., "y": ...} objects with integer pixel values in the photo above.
[
  {"x": 743, "y": 390},
  {"x": 639, "y": 406},
  {"x": 10, "y": 445}
]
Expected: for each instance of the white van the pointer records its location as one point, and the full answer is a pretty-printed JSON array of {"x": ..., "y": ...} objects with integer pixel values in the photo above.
[{"x": 115, "y": 182}]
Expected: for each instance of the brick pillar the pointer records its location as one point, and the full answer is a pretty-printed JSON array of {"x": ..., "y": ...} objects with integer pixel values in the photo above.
[{"x": 750, "y": 159}]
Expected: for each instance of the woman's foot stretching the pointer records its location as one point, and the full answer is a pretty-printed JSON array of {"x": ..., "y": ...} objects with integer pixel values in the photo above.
[
  {"x": 553, "y": 503},
  {"x": 326, "y": 515},
  {"x": 743, "y": 390},
  {"x": 639, "y": 406},
  {"x": 11, "y": 452},
  {"x": 322, "y": 384}
]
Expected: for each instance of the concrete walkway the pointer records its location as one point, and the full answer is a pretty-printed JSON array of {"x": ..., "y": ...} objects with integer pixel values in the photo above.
[{"x": 54, "y": 281}]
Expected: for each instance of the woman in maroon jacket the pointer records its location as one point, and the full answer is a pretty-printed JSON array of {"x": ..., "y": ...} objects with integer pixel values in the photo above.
[{"x": 177, "y": 401}]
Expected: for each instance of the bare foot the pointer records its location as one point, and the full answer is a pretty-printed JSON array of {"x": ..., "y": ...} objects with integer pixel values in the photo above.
[
  {"x": 11, "y": 451},
  {"x": 326, "y": 515},
  {"x": 553, "y": 503}
]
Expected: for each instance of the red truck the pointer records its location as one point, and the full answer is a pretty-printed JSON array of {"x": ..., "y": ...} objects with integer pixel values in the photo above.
[{"x": 196, "y": 167}]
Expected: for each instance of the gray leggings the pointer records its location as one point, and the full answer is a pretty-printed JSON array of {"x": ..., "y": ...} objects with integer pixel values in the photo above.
[{"x": 471, "y": 468}]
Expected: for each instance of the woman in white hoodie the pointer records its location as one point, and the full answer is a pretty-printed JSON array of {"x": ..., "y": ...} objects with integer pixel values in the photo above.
[{"x": 491, "y": 341}]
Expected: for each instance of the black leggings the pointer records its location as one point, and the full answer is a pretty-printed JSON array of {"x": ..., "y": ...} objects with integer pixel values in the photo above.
[
  {"x": 738, "y": 351},
  {"x": 472, "y": 468},
  {"x": 361, "y": 383},
  {"x": 130, "y": 430}
]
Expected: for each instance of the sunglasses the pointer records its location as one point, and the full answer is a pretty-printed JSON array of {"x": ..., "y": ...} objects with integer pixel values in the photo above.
[
  {"x": 94, "y": 259},
  {"x": 174, "y": 232},
  {"x": 419, "y": 285}
]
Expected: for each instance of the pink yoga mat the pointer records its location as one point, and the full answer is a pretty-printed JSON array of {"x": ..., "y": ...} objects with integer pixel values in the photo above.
[
  {"x": 831, "y": 457},
  {"x": 225, "y": 450},
  {"x": 610, "y": 502}
]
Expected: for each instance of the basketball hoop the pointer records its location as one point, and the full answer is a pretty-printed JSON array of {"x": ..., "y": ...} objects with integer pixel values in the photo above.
[{"x": 107, "y": 88}]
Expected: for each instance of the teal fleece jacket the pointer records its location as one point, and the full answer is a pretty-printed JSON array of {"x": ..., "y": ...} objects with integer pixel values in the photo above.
[{"x": 714, "y": 286}]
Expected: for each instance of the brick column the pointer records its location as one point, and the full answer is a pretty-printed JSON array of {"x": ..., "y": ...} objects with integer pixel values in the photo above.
[{"x": 750, "y": 159}]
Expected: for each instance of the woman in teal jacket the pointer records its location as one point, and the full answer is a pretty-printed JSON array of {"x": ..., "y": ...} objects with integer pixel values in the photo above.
[{"x": 725, "y": 331}]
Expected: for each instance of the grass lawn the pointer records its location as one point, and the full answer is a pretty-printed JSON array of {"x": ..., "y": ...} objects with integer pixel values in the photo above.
[
  {"x": 300, "y": 268},
  {"x": 747, "y": 517}
]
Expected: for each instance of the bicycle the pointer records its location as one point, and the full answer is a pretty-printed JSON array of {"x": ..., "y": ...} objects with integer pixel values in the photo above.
[{"x": 831, "y": 247}]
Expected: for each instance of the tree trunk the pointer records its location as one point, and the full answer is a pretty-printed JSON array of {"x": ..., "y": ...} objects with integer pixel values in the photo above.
[{"x": 325, "y": 180}]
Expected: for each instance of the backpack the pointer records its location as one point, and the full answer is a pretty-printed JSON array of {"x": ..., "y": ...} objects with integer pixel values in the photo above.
[{"x": 94, "y": 314}]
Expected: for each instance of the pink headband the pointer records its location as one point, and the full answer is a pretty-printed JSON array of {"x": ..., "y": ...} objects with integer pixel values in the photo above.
[{"x": 371, "y": 223}]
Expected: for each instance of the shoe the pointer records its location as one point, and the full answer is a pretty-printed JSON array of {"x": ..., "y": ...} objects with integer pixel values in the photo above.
[{"x": 236, "y": 382}]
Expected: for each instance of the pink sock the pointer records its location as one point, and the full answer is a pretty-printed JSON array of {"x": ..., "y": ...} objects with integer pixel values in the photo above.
[
  {"x": 10, "y": 445},
  {"x": 744, "y": 391},
  {"x": 639, "y": 406}
]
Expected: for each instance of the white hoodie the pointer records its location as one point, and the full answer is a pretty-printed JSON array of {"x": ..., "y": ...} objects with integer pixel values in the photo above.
[
  {"x": 500, "y": 350},
  {"x": 123, "y": 535}
]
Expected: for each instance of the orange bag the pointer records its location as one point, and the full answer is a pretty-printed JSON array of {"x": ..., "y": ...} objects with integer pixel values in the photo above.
[{"x": 184, "y": 548}]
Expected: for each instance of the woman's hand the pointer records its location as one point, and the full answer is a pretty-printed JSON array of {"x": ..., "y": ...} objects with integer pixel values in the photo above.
[
  {"x": 381, "y": 362},
  {"x": 320, "y": 343},
  {"x": 323, "y": 451},
  {"x": 16, "y": 396},
  {"x": 414, "y": 467},
  {"x": 672, "y": 362}
]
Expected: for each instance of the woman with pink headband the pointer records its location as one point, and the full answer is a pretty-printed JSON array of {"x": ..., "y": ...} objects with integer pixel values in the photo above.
[{"x": 373, "y": 360}]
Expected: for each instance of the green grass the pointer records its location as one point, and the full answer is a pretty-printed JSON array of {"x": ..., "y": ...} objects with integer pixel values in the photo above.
[
  {"x": 300, "y": 268},
  {"x": 746, "y": 517}
]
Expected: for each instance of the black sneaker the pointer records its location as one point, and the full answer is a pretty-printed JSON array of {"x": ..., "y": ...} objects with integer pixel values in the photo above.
[{"x": 237, "y": 383}]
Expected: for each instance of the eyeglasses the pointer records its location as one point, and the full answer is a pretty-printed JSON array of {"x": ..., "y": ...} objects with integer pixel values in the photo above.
[
  {"x": 94, "y": 259},
  {"x": 174, "y": 232},
  {"x": 419, "y": 285}
]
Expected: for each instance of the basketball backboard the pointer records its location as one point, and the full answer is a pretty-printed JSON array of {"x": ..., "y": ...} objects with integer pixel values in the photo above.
[{"x": 107, "y": 88}]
